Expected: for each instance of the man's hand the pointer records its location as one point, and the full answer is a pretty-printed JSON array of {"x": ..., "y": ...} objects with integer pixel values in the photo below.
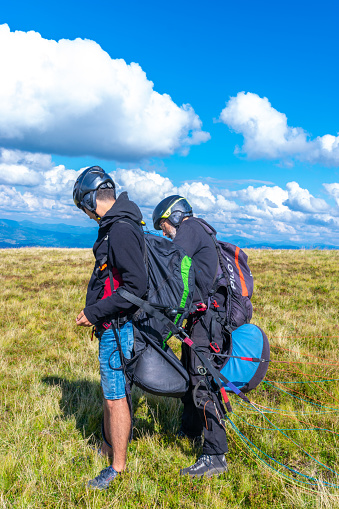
[{"x": 82, "y": 320}]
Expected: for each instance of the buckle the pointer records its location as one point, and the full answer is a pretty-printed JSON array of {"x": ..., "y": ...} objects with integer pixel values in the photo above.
[{"x": 202, "y": 370}]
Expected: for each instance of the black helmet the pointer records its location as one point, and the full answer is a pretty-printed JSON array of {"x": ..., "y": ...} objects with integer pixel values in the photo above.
[
  {"x": 174, "y": 208},
  {"x": 86, "y": 186}
]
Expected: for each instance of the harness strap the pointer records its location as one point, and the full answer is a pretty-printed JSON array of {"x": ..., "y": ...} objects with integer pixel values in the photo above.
[
  {"x": 212, "y": 326},
  {"x": 148, "y": 308},
  {"x": 251, "y": 359},
  {"x": 178, "y": 331},
  {"x": 218, "y": 377}
]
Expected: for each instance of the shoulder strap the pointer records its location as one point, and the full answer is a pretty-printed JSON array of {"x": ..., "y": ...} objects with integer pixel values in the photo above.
[
  {"x": 216, "y": 280},
  {"x": 221, "y": 261},
  {"x": 135, "y": 224},
  {"x": 139, "y": 228},
  {"x": 109, "y": 266}
]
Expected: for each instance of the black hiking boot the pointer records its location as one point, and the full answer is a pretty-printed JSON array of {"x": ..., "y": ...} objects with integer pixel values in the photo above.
[{"x": 206, "y": 466}]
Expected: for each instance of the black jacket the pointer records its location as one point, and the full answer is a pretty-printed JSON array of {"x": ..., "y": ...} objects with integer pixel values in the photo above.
[
  {"x": 126, "y": 257},
  {"x": 200, "y": 247}
]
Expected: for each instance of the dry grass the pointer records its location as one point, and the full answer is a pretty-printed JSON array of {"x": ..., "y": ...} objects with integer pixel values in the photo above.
[{"x": 51, "y": 398}]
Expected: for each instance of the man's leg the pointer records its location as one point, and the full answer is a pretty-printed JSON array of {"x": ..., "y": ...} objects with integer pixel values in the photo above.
[
  {"x": 117, "y": 420},
  {"x": 106, "y": 450},
  {"x": 191, "y": 424},
  {"x": 210, "y": 411},
  {"x": 115, "y": 410}
]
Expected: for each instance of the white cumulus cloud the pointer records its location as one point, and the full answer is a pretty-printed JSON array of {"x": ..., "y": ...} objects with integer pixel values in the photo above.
[
  {"x": 333, "y": 190},
  {"x": 266, "y": 196},
  {"x": 28, "y": 203},
  {"x": 17, "y": 174},
  {"x": 265, "y": 212},
  {"x": 35, "y": 170},
  {"x": 301, "y": 200},
  {"x": 148, "y": 188},
  {"x": 70, "y": 97},
  {"x": 267, "y": 134}
]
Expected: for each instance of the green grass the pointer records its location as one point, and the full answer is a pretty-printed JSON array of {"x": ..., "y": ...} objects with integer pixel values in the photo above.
[{"x": 51, "y": 403}]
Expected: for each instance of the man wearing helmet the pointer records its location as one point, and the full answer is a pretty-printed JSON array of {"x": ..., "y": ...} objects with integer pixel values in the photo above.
[
  {"x": 174, "y": 216},
  {"x": 119, "y": 260}
]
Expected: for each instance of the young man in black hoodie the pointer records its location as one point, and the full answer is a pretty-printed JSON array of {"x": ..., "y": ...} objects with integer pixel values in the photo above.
[
  {"x": 173, "y": 216},
  {"x": 119, "y": 258}
]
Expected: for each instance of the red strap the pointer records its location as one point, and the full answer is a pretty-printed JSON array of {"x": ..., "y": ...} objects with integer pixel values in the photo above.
[
  {"x": 188, "y": 341},
  {"x": 227, "y": 401},
  {"x": 224, "y": 395}
]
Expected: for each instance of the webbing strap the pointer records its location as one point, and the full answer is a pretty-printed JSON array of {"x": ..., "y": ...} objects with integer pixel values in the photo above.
[
  {"x": 122, "y": 357},
  {"x": 147, "y": 307},
  {"x": 215, "y": 373}
]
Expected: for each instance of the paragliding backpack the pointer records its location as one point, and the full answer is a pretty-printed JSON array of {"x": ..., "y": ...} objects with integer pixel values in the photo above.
[
  {"x": 246, "y": 353},
  {"x": 170, "y": 285},
  {"x": 234, "y": 276}
]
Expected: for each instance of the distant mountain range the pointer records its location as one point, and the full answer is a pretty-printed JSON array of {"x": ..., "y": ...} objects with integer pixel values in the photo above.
[{"x": 29, "y": 234}]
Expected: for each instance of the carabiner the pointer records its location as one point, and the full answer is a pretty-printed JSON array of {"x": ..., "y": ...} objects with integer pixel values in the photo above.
[{"x": 215, "y": 348}]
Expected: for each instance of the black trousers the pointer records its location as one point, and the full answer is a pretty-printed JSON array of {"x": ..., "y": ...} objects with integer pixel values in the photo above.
[{"x": 207, "y": 415}]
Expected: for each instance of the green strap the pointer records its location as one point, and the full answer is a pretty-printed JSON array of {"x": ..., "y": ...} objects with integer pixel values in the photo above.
[{"x": 186, "y": 264}]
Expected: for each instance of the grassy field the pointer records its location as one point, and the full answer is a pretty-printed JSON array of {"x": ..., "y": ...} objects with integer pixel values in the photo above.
[{"x": 51, "y": 399}]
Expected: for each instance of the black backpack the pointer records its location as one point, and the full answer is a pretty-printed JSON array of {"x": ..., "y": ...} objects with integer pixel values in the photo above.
[
  {"x": 154, "y": 367},
  {"x": 234, "y": 276},
  {"x": 171, "y": 282}
]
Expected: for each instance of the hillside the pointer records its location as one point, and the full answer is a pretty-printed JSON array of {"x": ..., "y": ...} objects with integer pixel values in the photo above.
[
  {"x": 51, "y": 398},
  {"x": 28, "y": 234},
  {"x": 15, "y": 234}
]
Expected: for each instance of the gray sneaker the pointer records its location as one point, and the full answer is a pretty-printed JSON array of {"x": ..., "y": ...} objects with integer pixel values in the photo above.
[
  {"x": 206, "y": 466},
  {"x": 103, "y": 480}
]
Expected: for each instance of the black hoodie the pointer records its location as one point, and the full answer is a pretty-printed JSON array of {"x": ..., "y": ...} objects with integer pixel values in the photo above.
[
  {"x": 198, "y": 244},
  {"x": 126, "y": 257}
]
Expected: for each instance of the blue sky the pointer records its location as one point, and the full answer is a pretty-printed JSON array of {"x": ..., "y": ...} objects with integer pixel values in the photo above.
[{"x": 251, "y": 175}]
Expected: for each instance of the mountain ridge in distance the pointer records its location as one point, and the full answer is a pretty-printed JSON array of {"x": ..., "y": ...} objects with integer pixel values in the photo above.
[{"x": 29, "y": 234}]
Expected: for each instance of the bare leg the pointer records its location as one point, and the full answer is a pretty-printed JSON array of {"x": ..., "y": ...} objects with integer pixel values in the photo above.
[
  {"x": 105, "y": 450},
  {"x": 117, "y": 421}
]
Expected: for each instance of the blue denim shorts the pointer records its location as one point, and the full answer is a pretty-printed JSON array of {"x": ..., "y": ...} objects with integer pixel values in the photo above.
[{"x": 113, "y": 379}]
